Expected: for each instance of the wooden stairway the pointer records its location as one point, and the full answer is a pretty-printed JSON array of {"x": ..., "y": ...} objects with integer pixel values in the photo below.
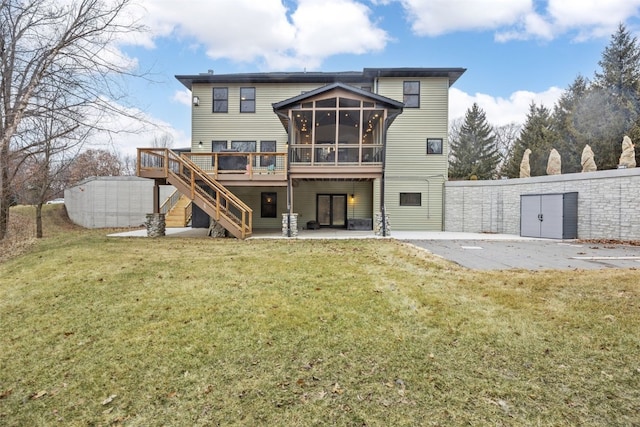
[
  {"x": 180, "y": 213},
  {"x": 207, "y": 193}
]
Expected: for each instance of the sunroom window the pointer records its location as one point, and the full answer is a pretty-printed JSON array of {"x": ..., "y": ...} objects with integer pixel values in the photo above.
[{"x": 337, "y": 131}]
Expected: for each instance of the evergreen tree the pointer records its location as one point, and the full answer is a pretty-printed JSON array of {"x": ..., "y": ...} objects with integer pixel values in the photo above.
[
  {"x": 620, "y": 66},
  {"x": 474, "y": 152},
  {"x": 570, "y": 143},
  {"x": 599, "y": 124},
  {"x": 614, "y": 102},
  {"x": 537, "y": 135}
]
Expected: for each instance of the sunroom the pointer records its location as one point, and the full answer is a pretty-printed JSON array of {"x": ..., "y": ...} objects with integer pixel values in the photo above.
[{"x": 336, "y": 129}]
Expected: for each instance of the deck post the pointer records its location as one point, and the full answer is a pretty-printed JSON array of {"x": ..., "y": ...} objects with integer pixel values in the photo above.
[{"x": 156, "y": 197}]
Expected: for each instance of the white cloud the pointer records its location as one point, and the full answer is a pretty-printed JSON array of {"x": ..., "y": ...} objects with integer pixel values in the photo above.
[
  {"x": 596, "y": 14},
  {"x": 520, "y": 19},
  {"x": 326, "y": 28},
  {"x": 124, "y": 133},
  {"x": 266, "y": 31},
  {"x": 584, "y": 19},
  {"x": 501, "y": 111},
  {"x": 435, "y": 17},
  {"x": 182, "y": 97}
]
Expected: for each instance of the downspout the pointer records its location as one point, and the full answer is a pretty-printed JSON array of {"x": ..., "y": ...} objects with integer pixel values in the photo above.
[
  {"x": 429, "y": 198},
  {"x": 444, "y": 201},
  {"x": 383, "y": 211},
  {"x": 288, "y": 169}
]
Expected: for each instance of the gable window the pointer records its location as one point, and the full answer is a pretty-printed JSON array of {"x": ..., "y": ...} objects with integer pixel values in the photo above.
[
  {"x": 268, "y": 205},
  {"x": 247, "y": 99},
  {"x": 220, "y": 100},
  {"x": 434, "y": 145},
  {"x": 410, "y": 199},
  {"x": 411, "y": 94}
]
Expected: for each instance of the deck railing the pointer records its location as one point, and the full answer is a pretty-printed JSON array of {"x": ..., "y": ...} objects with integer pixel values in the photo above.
[
  {"x": 248, "y": 163},
  {"x": 345, "y": 155}
]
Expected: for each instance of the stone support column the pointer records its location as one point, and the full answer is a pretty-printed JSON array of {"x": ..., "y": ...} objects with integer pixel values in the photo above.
[
  {"x": 216, "y": 230},
  {"x": 378, "y": 224},
  {"x": 155, "y": 225},
  {"x": 290, "y": 222}
]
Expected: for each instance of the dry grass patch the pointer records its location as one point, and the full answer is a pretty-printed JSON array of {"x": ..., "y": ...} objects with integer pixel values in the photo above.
[
  {"x": 119, "y": 331},
  {"x": 21, "y": 233}
]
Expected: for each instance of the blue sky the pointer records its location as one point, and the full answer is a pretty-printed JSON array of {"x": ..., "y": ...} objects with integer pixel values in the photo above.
[{"x": 515, "y": 51}]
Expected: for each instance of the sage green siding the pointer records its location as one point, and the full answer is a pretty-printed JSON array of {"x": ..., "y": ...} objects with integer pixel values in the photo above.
[
  {"x": 252, "y": 197},
  {"x": 263, "y": 125},
  {"x": 408, "y": 168},
  {"x": 428, "y": 216}
]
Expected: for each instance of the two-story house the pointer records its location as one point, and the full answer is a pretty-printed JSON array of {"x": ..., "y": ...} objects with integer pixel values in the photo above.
[{"x": 317, "y": 149}]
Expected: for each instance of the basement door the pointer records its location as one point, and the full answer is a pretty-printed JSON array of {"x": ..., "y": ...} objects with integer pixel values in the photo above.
[{"x": 332, "y": 210}]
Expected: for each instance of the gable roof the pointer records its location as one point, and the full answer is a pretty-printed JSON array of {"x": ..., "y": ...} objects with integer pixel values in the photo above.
[{"x": 387, "y": 102}]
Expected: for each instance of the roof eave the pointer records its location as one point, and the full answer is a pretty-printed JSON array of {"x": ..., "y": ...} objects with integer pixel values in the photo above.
[
  {"x": 251, "y": 78},
  {"x": 391, "y": 103},
  {"x": 453, "y": 74}
]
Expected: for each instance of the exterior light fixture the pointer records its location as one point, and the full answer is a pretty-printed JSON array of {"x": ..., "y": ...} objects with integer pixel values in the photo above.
[
  {"x": 196, "y": 101},
  {"x": 200, "y": 144}
]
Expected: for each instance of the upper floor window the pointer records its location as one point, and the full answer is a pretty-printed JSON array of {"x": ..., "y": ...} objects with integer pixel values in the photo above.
[
  {"x": 220, "y": 100},
  {"x": 411, "y": 94},
  {"x": 434, "y": 145},
  {"x": 247, "y": 99}
]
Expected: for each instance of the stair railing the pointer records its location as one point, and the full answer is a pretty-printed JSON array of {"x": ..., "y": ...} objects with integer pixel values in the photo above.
[{"x": 225, "y": 203}]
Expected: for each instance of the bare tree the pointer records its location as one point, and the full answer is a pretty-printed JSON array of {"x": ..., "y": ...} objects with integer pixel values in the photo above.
[
  {"x": 59, "y": 142},
  {"x": 55, "y": 57},
  {"x": 163, "y": 141},
  {"x": 129, "y": 165},
  {"x": 506, "y": 136},
  {"x": 93, "y": 163}
]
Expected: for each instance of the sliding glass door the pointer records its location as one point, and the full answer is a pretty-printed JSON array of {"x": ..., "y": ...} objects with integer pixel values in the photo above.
[{"x": 332, "y": 210}]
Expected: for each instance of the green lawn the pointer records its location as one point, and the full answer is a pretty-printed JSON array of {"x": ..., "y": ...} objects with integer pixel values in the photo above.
[{"x": 202, "y": 332}]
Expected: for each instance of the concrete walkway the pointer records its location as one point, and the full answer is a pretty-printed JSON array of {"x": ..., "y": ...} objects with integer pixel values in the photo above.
[
  {"x": 327, "y": 233},
  {"x": 478, "y": 251}
]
